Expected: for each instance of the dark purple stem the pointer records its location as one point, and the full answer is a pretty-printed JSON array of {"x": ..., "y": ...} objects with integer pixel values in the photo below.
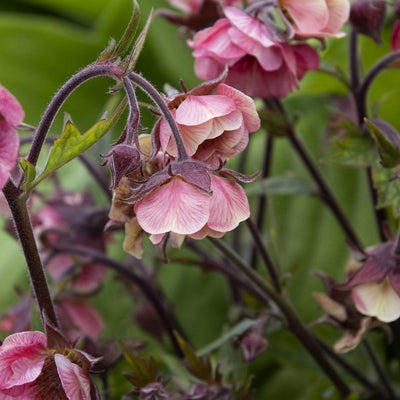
[
  {"x": 26, "y": 237},
  {"x": 90, "y": 72},
  {"x": 153, "y": 93},
  {"x": 360, "y": 91},
  {"x": 325, "y": 191},
  {"x": 144, "y": 286},
  {"x": 133, "y": 122},
  {"x": 295, "y": 325},
  {"x": 262, "y": 200},
  {"x": 255, "y": 233}
]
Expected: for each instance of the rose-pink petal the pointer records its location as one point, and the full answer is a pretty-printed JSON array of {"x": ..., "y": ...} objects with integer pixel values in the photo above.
[
  {"x": 195, "y": 110},
  {"x": 22, "y": 357},
  {"x": 339, "y": 11},
  {"x": 308, "y": 15},
  {"x": 229, "y": 205},
  {"x": 9, "y": 145},
  {"x": 10, "y": 109},
  {"x": 245, "y": 105},
  {"x": 75, "y": 381},
  {"x": 395, "y": 39},
  {"x": 176, "y": 206}
]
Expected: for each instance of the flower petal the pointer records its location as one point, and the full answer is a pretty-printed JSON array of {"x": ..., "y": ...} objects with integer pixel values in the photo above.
[
  {"x": 308, "y": 15},
  {"x": 176, "y": 206},
  {"x": 339, "y": 11},
  {"x": 229, "y": 205},
  {"x": 195, "y": 110},
  {"x": 377, "y": 300},
  {"x": 22, "y": 357},
  {"x": 9, "y": 145},
  {"x": 10, "y": 109},
  {"x": 75, "y": 381}
]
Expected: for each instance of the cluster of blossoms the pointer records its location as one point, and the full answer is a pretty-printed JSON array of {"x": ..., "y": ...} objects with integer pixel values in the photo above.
[
  {"x": 264, "y": 60},
  {"x": 190, "y": 195}
]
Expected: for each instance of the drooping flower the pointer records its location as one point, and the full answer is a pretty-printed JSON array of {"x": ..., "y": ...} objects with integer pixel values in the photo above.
[
  {"x": 317, "y": 18},
  {"x": 376, "y": 285},
  {"x": 11, "y": 115},
  {"x": 30, "y": 370},
  {"x": 259, "y": 65},
  {"x": 214, "y": 126},
  {"x": 342, "y": 313}
]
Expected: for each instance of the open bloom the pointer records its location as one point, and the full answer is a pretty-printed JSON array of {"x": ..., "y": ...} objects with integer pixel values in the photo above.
[
  {"x": 192, "y": 201},
  {"x": 317, "y": 18},
  {"x": 258, "y": 65},
  {"x": 11, "y": 115},
  {"x": 214, "y": 126},
  {"x": 29, "y": 370}
]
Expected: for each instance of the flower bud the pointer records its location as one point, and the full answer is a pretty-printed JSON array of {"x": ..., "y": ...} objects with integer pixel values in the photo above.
[
  {"x": 122, "y": 159},
  {"x": 367, "y": 17}
]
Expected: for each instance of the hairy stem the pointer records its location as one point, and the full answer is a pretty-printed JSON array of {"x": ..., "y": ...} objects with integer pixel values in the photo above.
[
  {"x": 90, "y": 72},
  {"x": 27, "y": 240},
  {"x": 262, "y": 200},
  {"x": 153, "y": 93},
  {"x": 325, "y": 191}
]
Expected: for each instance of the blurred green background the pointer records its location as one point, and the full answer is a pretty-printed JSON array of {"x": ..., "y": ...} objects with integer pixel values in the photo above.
[{"x": 43, "y": 42}]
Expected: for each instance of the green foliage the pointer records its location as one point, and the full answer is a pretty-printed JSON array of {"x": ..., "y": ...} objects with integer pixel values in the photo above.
[
  {"x": 69, "y": 145},
  {"x": 389, "y": 150},
  {"x": 281, "y": 186},
  {"x": 200, "y": 367},
  {"x": 352, "y": 148},
  {"x": 142, "y": 372},
  {"x": 388, "y": 186}
]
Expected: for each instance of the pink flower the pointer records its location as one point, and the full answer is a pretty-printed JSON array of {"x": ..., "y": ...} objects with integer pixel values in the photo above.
[
  {"x": 31, "y": 371},
  {"x": 196, "y": 203},
  {"x": 259, "y": 65},
  {"x": 213, "y": 127},
  {"x": 11, "y": 115},
  {"x": 317, "y": 18}
]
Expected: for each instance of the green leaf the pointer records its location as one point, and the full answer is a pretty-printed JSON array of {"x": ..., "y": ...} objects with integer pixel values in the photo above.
[
  {"x": 139, "y": 43},
  {"x": 353, "y": 148},
  {"x": 281, "y": 185},
  {"x": 126, "y": 40},
  {"x": 143, "y": 372},
  {"x": 387, "y": 141},
  {"x": 237, "y": 330},
  {"x": 198, "y": 367},
  {"x": 29, "y": 171},
  {"x": 72, "y": 143},
  {"x": 388, "y": 186}
]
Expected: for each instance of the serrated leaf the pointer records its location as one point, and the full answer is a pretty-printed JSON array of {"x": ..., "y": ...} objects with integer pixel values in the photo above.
[
  {"x": 197, "y": 366},
  {"x": 115, "y": 50},
  {"x": 388, "y": 186},
  {"x": 126, "y": 40},
  {"x": 237, "y": 330},
  {"x": 143, "y": 372},
  {"x": 387, "y": 141},
  {"x": 71, "y": 143},
  {"x": 280, "y": 186},
  {"x": 353, "y": 148},
  {"x": 139, "y": 43}
]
